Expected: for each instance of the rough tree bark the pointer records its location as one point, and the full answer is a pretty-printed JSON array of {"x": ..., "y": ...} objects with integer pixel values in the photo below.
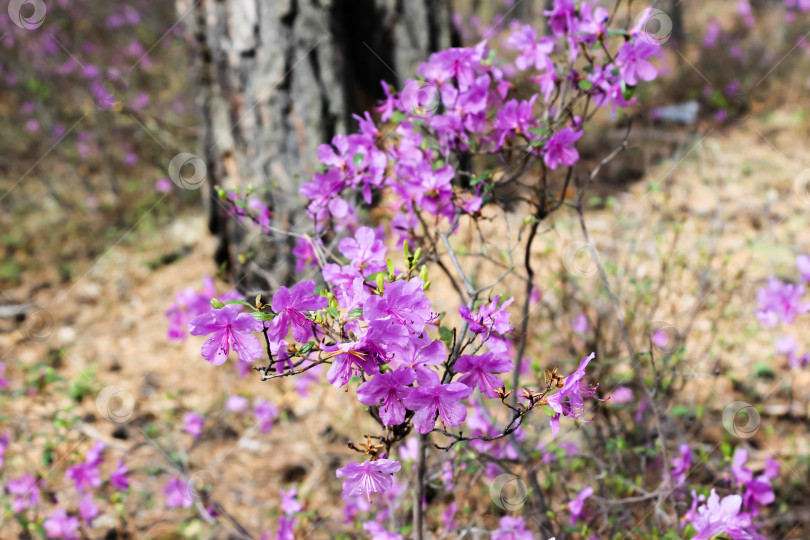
[{"x": 276, "y": 79}]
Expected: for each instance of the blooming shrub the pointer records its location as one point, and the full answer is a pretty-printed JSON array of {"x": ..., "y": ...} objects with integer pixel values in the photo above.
[{"x": 434, "y": 346}]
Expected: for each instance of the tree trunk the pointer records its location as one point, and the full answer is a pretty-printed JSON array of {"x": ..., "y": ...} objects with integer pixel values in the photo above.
[{"x": 276, "y": 79}]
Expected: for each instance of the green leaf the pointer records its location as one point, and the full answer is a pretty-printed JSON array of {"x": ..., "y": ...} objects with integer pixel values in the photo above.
[
  {"x": 446, "y": 336},
  {"x": 627, "y": 91},
  {"x": 680, "y": 410},
  {"x": 333, "y": 311},
  {"x": 239, "y": 302},
  {"x": 216, "y": 304},
  {"x": 262, "y": 316},
  {"x": 356, "y": 313},
  {"x": 585, "y": 84},
  {"x": 358, "y": 159},
  {"x": 306, "y": 348}
]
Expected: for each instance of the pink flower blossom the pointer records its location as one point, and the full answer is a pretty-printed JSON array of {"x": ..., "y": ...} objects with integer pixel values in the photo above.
[
  {"x": 478, "y": 371},
  {"x": 560, "y": 148},
  {"x": 60, "y": 525},
  {"x": 426, "y": 401},
  {"x": 194, "y": 423},
  {"x": 368, "y": 477},
  {"x": 178, "y": 494},
  {"x": 228, "y": 329},
  {"x": 577, "y": 506}
]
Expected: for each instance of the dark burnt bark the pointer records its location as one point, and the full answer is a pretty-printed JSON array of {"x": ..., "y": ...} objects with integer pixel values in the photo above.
[{"x": 276, "y": 79}]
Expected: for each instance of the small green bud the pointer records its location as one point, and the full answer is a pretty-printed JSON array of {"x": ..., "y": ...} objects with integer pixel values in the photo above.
[
  {"x": 216, "y": 304},
  {"x": 380, "y": 282}
]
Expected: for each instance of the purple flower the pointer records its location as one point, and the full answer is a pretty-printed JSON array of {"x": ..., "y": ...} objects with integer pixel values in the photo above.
[
  {"x": 4, "y": 442},
  {"x": 512, "y": 528},
  {"x": 323, "y": 193},
  {"x": 742, "y": 475},
  {"x": 88, "y": 510},
  {"x": 577, "y": 506},
  {"x": 426, "y": 401},
  {"x": 25, "y": 491},
  {"x": 290, "y": 305},
  {"x": 479, "y": 370},
  {"x": 622, "y": 394},
  {"x": 94, "y": 455},
  {"x": 533, "y": 52},
  {"x": 514, "y": 118},
  {"x": 3, "y": 380},
  {"x": 375, "y": 346},
  {"x": 364, "y": 250},
  {"x": 84, "y": 476},
  {"x": 265, "y": 412},
  {"x": 60, "y": 525},
  {"x": 390, "y": 389},
  {"x": 448, "y": 521},
  {"x": 304, "y": 255},
  {"x": 228, "y": 329},
  {"x": 568, "y": 400},
  {"x": 457, "y": 62},
  {"x": 194, "y": 423},
  {"x": 720, "y": 516},
  {"x": 803, "y": 264},
  {"x": 780, "y": 301},
  {"x": 403, "y": 301},
  {"x": 408, "y": 451},
  {"x": 378, "y": 532},
  {"x": 118, "y": 478},
  {"x": 561, "y": 16},
  {"x": 418, "y": 357},
  {"x": 581, "y": 324},
  {"x": 285, "y": 528},
  {"x": 289, "y": 503},
  {"x": 560, "y": 148},
  {"x": 490, "y": 318},
  {"x": 236, "y": 403},
  {"x": 178, "y": 494},
  {"x": 681, "y": 464},
  {"x": 368, "y": 477},
  {"x": 633, "y": 63}
]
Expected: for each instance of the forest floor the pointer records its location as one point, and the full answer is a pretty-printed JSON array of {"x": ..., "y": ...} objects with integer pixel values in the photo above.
[{"x": 105, "y": 325}]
